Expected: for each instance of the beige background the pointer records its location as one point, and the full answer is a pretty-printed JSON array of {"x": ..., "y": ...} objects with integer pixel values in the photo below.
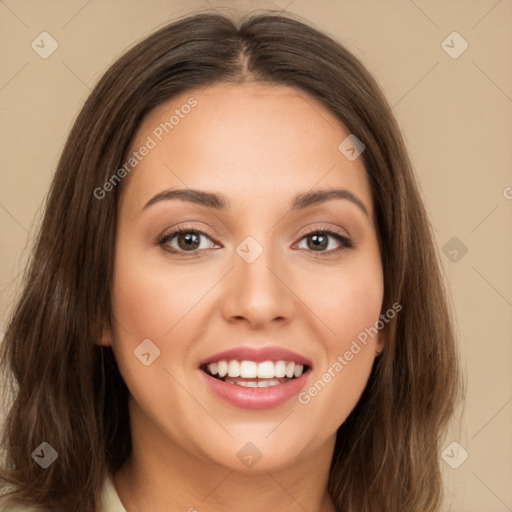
[{"x": 456, "y": 116}]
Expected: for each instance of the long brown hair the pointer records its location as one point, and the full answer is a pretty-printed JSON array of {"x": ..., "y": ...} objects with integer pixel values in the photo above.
[{"x": 67, "y": 390}]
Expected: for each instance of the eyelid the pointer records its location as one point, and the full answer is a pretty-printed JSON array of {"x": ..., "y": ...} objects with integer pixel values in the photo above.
[
  {"x": 324, "y": 228},
  {"x": 185, "y": 227}
]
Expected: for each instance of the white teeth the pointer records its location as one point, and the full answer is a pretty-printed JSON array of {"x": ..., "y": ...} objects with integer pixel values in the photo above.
[
  {"x": 248, "y": 369},
  {"x": 234, "y": 368},
  {"x": 280, "y": 369},
  {"x": 253, "y": 383},
  {"x": 266, "y": 370},
  {"x": 252, "y": 369},
  {"x": 222, "y": 368},
  {"x": 267, "y": 383}
]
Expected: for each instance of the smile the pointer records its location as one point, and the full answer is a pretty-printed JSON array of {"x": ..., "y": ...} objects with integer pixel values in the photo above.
[
  {"x": 256, "y": 378},
  {"x": 253, "y": 374}
]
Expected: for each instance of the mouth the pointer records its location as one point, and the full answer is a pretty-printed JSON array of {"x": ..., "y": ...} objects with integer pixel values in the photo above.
[
  {"x": 255, "y": 377},
  {"x": 255, "y": 374}
]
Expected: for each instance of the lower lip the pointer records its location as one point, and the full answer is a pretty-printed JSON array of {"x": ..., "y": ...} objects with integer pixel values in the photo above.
[{"x": 255, "y": 398}]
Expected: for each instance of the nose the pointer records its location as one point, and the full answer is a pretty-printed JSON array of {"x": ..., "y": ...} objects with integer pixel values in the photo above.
[{"x": 259, "y": 293}]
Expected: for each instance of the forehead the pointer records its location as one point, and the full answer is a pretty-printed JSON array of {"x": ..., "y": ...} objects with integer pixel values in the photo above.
[{"x": 255, "y": 142}]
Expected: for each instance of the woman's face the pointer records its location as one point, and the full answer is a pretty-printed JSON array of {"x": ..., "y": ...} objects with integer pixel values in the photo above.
[{"x": 255, "y": 284}]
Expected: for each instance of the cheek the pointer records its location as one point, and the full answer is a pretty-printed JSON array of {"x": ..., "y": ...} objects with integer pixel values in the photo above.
[
  {"x": 150, "y": 302},
  {"x": 346, "y": 301},
  {"x": 150, "y": 299}
]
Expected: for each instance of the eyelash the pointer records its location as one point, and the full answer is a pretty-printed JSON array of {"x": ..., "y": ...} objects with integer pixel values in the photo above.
[{"x": 166, "y": 237}]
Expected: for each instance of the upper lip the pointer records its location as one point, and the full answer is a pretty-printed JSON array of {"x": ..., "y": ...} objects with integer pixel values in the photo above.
[{"x": 257, "y": 354}]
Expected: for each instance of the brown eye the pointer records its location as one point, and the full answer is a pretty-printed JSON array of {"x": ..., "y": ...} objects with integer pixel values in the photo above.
[
  {"x": 184, "y": 240},
  {"x": 188, "y": 241},
  {"x": 319, "y": 241}
]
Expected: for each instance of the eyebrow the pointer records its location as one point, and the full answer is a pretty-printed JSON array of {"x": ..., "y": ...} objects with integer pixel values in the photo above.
[{"x": 219, "y": 202}]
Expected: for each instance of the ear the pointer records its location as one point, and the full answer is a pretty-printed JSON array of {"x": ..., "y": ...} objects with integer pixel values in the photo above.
[
  {"x": 105, "y": 339},
  {"x": 380, "y": 343}
]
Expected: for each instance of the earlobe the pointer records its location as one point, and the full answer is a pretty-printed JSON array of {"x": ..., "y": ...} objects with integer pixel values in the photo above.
[
  {"x": 105, "y": 339},
  {"x": 380, "y": 344}
]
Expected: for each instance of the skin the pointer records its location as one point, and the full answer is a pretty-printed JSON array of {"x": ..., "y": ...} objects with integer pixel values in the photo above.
[{"x": 259, "y": 145}]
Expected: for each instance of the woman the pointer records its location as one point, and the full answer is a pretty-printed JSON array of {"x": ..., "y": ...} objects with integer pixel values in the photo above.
[{"x": 300, "y": 357}]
